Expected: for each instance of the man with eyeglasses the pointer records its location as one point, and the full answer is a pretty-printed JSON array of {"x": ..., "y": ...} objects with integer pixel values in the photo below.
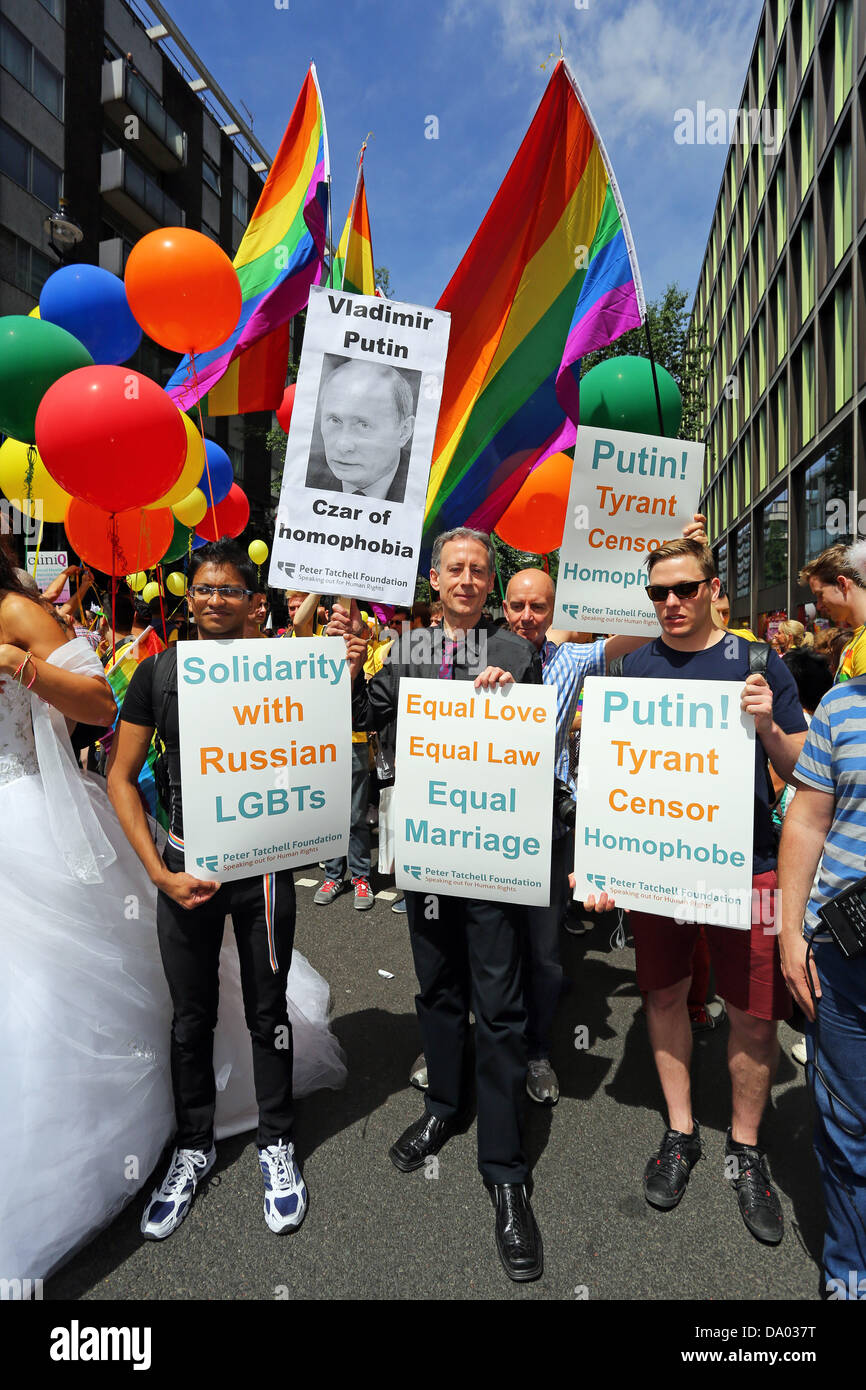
[
  {"x": 748, "y": 973},
  {"x": 190, "y": 916}
]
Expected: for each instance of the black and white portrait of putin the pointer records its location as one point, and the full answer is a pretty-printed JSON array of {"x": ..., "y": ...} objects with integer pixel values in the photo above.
[{"x": 366, "y": 419}]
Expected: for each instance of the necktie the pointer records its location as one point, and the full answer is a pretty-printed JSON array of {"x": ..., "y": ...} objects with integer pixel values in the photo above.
[{"x": 446, "y": 668}]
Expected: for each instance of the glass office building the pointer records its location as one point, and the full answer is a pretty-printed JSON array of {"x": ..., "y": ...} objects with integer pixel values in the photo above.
[{"x": 780, "y": 310}]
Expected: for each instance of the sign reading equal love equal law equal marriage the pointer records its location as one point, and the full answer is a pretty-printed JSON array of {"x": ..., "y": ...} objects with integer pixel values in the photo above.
[
  {"x": 629, "y": 494},
  {"x": 265, "y": 754},
  {"x": 665, "y": 798},
  {"x": 474, "y": 790},
  {"x": 360, "y": 445}
]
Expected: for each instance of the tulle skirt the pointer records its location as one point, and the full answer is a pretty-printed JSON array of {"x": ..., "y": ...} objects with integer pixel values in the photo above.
[{"x": 85, "y": 1091}]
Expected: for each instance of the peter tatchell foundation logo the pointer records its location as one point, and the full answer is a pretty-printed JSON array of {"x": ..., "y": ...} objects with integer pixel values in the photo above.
[{"x": 77, "y": 1343}]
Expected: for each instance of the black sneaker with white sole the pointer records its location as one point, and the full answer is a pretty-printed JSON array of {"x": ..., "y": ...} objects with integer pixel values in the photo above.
[{"x": 666, "y": 1175}]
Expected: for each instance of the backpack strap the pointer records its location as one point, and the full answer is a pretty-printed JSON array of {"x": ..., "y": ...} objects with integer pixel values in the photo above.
[{"x": 759, "y": 655}]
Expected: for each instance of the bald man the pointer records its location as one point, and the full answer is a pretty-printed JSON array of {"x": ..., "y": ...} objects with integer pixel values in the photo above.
[
  {"x": 529, "y": 603},
  {"x": 366, "y": 421}
]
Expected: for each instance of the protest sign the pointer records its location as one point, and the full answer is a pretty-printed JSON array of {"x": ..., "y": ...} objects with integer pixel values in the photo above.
[
  {"x": 47, "y": 567},
  {"x": 360, "y": 445},
  {"x": 474, "y": 790},
  {"x": 629, "y": 494},
  {"x": 665, "y": 798},
  {"x": 265, "y": 754}
]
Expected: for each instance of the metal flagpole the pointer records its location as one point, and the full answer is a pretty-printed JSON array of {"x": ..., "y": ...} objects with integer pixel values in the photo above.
[{"x": 649, "y": 343}]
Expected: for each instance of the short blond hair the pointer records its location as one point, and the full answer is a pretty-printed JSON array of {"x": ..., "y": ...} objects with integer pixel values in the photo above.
[{"x": 683, "y": 548}]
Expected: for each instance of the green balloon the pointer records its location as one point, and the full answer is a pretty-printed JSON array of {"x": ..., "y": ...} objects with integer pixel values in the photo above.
[
  {"x": 33, "y": 355},
  {"x": 179, "y": 543},
  {"x": 619, "y": 395}
]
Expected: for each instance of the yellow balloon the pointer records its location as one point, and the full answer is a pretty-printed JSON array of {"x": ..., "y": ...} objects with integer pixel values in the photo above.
[
  {"x": 151, "y": 591},
  {"x": 137, "y": 581},
  {"x": 192, "y": 469},
  {"x": 29, "y": 491},
  {"x": 190, "y": 510},
  {"x": 176, "y": 583},
  {"x": 258, "y": 552}
]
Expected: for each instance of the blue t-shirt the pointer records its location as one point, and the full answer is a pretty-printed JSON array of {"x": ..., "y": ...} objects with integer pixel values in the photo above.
[{"x": 726, "y": 662}]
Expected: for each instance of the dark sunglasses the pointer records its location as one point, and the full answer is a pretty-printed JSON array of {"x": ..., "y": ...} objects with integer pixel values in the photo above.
[{"x": 688, "y": 589}]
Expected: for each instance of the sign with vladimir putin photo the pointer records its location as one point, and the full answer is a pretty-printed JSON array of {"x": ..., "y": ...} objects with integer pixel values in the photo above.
[{"x": 360, "y": 446}]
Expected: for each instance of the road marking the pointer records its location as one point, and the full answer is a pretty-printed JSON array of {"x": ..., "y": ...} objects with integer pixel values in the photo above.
[{"x": 388, "y": 896}]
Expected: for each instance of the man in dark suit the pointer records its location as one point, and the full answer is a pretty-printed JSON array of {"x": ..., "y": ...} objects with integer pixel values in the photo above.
[
  {"x": 467, "y": 951},
  {"x": 366, "y": 420}
]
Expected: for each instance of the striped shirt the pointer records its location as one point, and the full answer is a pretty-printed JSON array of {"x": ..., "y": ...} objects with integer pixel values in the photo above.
[
  {"x": 833, "y": 760},
  {"x": 566, "y": 669}
]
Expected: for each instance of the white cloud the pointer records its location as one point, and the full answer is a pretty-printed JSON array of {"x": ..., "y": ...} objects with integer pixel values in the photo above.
[{"x": 638, "y": 62}]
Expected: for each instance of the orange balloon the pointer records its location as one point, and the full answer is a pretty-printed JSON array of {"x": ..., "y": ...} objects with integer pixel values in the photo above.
[
  {"x": 535, "y": 519},
  {"x": 183, "y": 290},
  {"x": 118, "y": 542}
]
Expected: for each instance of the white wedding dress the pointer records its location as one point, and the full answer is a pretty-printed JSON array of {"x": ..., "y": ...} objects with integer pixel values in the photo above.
[{"x": 85, "y": 1091}]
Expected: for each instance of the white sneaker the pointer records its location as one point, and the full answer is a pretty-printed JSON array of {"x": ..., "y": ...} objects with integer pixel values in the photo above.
[
  {"x": 285, "y": 1191},
  {"x": 170, "y": 1203}
]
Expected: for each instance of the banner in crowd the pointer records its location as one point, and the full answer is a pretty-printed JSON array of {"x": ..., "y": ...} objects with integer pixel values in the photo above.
[
  {"x": 474, "y": 790},
  {"x": 359, "y": 448},
  {"x": 265, "y": 753},
  {"x": 629, "y": 494},
  {"x": 45, "y": 567},
  {"x": 665, "y": 798}
]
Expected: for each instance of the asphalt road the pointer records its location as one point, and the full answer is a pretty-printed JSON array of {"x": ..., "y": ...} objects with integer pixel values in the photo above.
[{"x": 372, "y": 1232}]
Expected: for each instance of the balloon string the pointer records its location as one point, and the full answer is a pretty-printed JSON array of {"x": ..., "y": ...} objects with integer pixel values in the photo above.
[
  {"x": 201, "y": 424},
  {"x": 113, "y": 599},
  {"x": 161, "y": 609}
]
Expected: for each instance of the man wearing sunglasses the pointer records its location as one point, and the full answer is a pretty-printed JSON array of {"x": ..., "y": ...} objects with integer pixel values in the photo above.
[
  {"x": 190, "y": 917},
  {"x": 748, "y": 973}
]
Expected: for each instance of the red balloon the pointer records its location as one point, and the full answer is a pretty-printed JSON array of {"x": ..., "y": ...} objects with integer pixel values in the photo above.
[
  {"x": 227, "y": 518},
  {"x": 111, "y": 436},
  {"x": 183, "y": 289},
  {"x": 122, "y": 542},
  {"x": 535, "y": 519},
  {"x": 285, "y": 408}
]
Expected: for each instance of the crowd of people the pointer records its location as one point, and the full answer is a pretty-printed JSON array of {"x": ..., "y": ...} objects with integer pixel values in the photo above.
[{"x": 114, "y": 939}]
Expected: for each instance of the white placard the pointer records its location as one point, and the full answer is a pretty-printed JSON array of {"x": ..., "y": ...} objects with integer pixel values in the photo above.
[
  {"x": 666, "y": 798},
  {"x": 360, "y": 446},
  {"x": 629, "y": 494},
  {"x": 48, "y": 566},
  {"x": 474, "y": 790},
  {"x": 265, "y": 754}
]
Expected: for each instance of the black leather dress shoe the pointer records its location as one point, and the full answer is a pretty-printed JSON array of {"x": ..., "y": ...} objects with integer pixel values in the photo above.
[
  {"x": 518, "y": 1238},
  {"x": 416, "y": 1144}
]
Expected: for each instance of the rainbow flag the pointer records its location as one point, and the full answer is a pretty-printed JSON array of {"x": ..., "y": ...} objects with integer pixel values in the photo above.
[
  {"x": 353, "y": 263},
  {"x": 119, "y": 673},
  {"x": 551, "y": 273},
  {"x": 279, "y": 258}
]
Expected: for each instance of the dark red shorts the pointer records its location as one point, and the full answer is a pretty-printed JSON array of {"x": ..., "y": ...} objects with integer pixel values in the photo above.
[{"x": 746, "y": 963}]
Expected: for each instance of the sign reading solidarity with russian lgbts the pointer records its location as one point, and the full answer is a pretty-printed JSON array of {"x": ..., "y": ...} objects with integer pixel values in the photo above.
[
  {"x": 473, "y": 798},
  {"x": 360, "y": 445},
  {"x": 265, "y": 754},
  {"x": 665, "y": 798},
  {"x": 629, "y": 494}
]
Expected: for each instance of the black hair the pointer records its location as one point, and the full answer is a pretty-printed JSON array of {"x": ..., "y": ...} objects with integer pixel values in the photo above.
[
  {"x": 123, "y": 609},
  {"x": 224, "y": 552},
  {"x": 811, "y": 675}
]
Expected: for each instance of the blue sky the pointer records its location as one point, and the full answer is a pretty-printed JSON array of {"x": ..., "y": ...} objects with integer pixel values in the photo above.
[{"x": 387, "y": 65}]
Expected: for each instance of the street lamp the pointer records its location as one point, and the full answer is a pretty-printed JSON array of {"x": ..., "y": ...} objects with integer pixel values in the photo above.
[{"x": 63, "y": 231}]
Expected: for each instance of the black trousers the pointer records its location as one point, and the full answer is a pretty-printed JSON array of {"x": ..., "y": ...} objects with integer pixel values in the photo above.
[
  {"x": 542, "y": 964},
  {"x": 468, "y": 955},
  {"x": 190, "y": 941}
]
